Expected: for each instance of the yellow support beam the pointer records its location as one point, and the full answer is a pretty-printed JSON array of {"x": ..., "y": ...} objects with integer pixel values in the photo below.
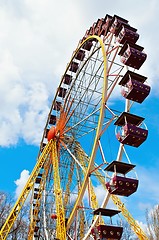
[
  {"x": 25, "y": 192},
  {"x": 60, "y": 227},
  {"x": 81, "y": 224},
  {"x": 134, "y": 225},
  {"x": 67, "y": 191},
  {"x": 34, "y": 211},
  {"x": 83, "y": 159}
]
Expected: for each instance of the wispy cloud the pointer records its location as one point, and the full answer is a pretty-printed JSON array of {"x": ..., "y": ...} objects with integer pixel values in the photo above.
[{"x": 20, "y": 183}]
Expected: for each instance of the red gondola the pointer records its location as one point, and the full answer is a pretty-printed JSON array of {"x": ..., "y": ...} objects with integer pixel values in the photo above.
[
  {"x": 80, "y": 55},
  {"x": 43, "y": 144},
  {"x": 52, "y": 120},
  {"x": 67, "y": 79},
  {"x": 36, "y": 228},
  {"x": 131, "y": 132},
  {"x": 132, "y": 55},
  {"x": 116, "y": 22},
  {"x": 105, "y": 25},
  {"x": 120, "y": 184},
  {"x": 38, "y": 179},
  {"x": 127, "y": 33},
  {"x": 87, "y": 45},
  {"x": 73, "y": 67},
  {"x": 106, "y": 231},
  {"x": 62, "y": 92},
  {"x": 57, "y": 106},
  {"x": 98, "y": 26},
  {"x": 133, "y": 87}
]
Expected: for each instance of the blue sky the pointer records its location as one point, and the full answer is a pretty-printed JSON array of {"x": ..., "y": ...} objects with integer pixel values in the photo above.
[{"x": 37, "y": 39}]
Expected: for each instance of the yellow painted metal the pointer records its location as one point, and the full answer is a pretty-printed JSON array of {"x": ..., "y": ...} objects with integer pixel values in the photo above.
[
  {"x": 93, "y": 198},
  {"x": 60, "y": 227},
  {"x": 67, "y": 191},
  {"x": 83, "y": 159},
  {"x": 94, "y": 203},
  {"x": 25, "y": 192},
  {"x": 99, "y": 127},
  {"x": 134, "y": 225},
  {"x": 82, "y": 223},
  {"x": 34, "y": 211},
  {"x": 81, "y": 215}
]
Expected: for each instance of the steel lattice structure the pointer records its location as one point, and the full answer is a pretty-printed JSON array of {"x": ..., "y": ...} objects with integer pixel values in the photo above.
[{"x": 71, "y": 165}]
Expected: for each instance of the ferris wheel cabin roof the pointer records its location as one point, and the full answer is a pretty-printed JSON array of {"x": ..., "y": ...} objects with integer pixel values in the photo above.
[
  {"x": 106, "y": 212},
  {"x": 108, "y": 17},
  {"x": 130, "y": 118},
  {"x": 132, "y": 45},
  {"x": 119, "y": 19},
  {"x": 129, "y": 74},
  {"x": 127, "y": 26},
  {"x": 121, "y": 167}
]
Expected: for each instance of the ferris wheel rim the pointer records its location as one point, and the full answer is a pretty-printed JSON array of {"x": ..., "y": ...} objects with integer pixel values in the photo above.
[{"x": 98, "y": 127}]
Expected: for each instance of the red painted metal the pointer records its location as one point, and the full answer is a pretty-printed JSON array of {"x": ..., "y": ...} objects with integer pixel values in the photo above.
[
  {"x": 107, "y": 232},
  {"x": 57, "y": 106},
  {"x": 87, "y": 45},
  {"x": 80, "y": 55},
  {"x": 132, "y": 55},
  {"x": 134, "y": 87},
  {"x": 122, "y": 186},
  {"x": 116, "y": 22},
  {"x": 127, "y": 33},
  {"x": 131, "y": 133},
  {"x": 73, "y": 67},
  {"x": 67, "y": 79},
  {"x": 53, "y": 216},
  {"x": 62, "y": 92},
  {"x": 52, "y": 119},
  {"x": 51, "y": 134}
]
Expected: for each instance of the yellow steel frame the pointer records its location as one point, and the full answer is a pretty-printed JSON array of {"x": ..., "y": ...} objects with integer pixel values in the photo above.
[
  {"x": 81, "y": 213},
  {"x": 93, "y": 199},
  {"x": 34, "y": 212},
  {"x": 67, "y": 191},
  {"x": 51, "y": 148},
  {"x": 133, "y": 224},
  {"x": 81, "y": 224},
  {"x": 25, "y": 192},
  {"x": 60, "y": 227}
]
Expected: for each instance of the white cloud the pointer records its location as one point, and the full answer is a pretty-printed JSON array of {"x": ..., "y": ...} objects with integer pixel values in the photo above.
[
  {"x": 100, "y": 192},
  {"x": 20, "y": 183},
  {"x": 30, "y": 61}
]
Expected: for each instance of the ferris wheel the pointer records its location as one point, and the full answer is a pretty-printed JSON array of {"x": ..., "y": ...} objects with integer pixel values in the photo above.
[{"x": 84, "y": 149}]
